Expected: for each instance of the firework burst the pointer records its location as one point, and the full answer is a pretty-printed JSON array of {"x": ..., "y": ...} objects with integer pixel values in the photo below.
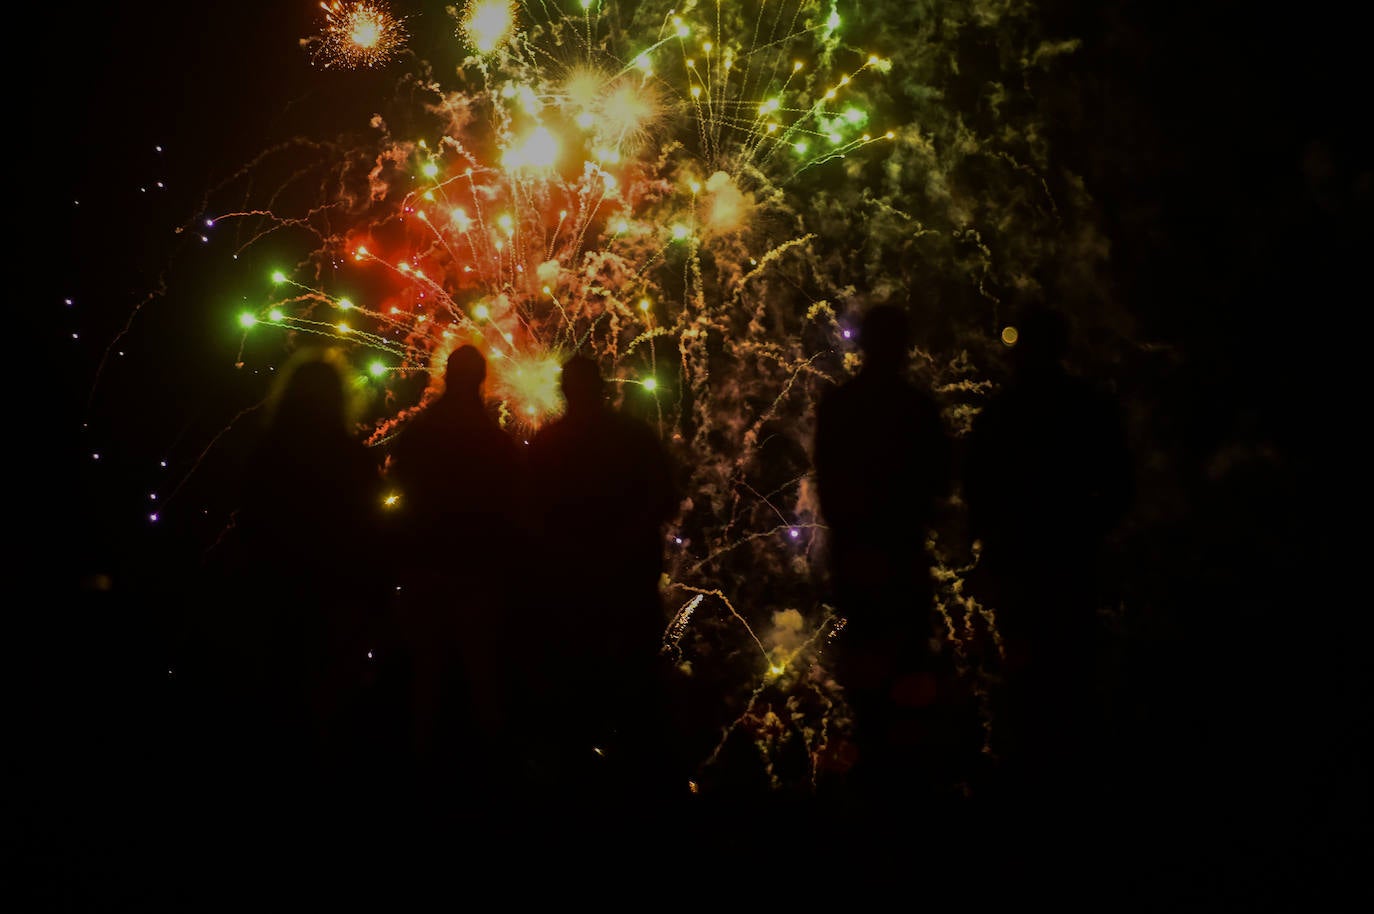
[{"x": 358, "y": 34}]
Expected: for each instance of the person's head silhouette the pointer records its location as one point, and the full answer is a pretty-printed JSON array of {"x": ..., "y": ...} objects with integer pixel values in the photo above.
[
  {"x": 464, "y": 373},
  {"x": 581, "y": 384},
  {"x": 310, "y": 395},
  {"x": 885, "y": 338},
  {"x": 1042, "y": 342}
]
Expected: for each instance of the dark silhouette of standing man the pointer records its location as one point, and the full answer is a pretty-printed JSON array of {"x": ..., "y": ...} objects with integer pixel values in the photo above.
[
  {"x": 306, "y": 533},
  {"x": 1047, "y": 477},
  {"x": 458, "y": 481},
  {"x": 602, "y": 490},
  {"x": 882, "y": 461}
]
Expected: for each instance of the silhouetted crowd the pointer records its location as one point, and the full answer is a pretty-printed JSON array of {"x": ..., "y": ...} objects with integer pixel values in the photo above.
[{"x": 476, "y": 623}]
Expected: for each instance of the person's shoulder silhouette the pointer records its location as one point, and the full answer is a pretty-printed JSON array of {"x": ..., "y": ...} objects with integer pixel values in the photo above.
[
  {"x": 595, "y": 466},
  {"x": 455, "y": 423},
  {"x": 453, "y": 464},
  {"x": 311, "y": 486},
  {"x": 1048, "y": 466},
  {"x": 881, "y": 452}
]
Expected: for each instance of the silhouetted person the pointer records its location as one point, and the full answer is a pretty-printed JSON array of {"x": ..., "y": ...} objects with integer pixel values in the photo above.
[
  {"x": 602, "y": 490},
  {"x": 458, "y": 478},
  {"x": 882, "y": 461},
  {"x": 306, "y": 540},
  {"x": 1047, "y": 477}
]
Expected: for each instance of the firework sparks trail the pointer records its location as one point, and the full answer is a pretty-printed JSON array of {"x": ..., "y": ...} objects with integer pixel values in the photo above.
[
  {"x": 152, "y": 296},
  {"x": 693, "y": 193},
  {"x": 964, "y": 634}
]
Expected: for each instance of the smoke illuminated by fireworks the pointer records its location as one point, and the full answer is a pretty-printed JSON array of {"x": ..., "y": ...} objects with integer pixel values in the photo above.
[
  {"x": 358, "y": 34},
  {"x": 703, "y": 197}
]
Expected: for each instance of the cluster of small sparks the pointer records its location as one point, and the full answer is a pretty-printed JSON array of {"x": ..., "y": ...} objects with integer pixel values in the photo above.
[{"x": 362, "y": 33}]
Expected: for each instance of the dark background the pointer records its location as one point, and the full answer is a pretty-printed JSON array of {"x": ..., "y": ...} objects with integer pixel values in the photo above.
[{"x": 1221, "y": 142}]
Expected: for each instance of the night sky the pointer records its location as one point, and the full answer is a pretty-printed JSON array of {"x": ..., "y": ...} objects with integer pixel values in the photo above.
[{"x": 1219, "y": 143}]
